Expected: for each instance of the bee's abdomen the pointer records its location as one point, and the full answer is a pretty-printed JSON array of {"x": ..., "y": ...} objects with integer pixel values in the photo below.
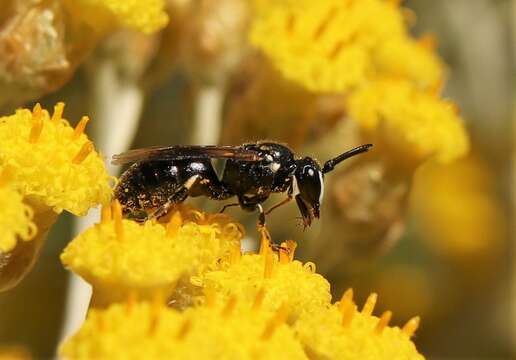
[{"x": 146, "y": 185}]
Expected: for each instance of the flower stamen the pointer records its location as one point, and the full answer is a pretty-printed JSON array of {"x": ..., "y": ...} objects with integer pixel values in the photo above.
[
  {"x": 58, "y": 112},
  {"x": 105, "y": 214},
  {"x": 37, "y": 124},
  {"x": 370, "y": 304},
  {"x": 324, "y": 24},
  {"x": 291, "y": 22},
  {"x": 230, "y": 307},
  {"x": 258, "y": 299},
  {"x": 81, "y": 126},
  {"x": 184, "y": 329},
  {"x": 279, "y": 319},
  {"x": 116, "y": 211},
  {"x": 269, "y": 265},
  {"x": 83, "y": 153},
  {"x": 347, "y": 309},
  {"x": 411, "y": 326},
  {"x": 383, "y": 322}
]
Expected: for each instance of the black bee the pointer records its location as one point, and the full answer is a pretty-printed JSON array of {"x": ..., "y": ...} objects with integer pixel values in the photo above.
[{"x": 160, "y": 177}]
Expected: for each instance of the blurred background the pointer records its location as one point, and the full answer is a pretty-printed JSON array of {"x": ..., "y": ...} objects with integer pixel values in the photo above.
[{"x": 435, "y": 242}]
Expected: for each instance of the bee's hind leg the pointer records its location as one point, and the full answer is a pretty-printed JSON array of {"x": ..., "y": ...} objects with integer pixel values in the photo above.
[{"x": 163, "y": 210}]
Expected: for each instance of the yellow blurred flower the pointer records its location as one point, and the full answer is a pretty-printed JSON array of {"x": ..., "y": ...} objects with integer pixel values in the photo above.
[
  {"x": 145, "y": 16},
  {"x": 325, "y": 45},
  {"x": 457, "y": 211},
  {"x": 414, "y": 60},
  {"x": 411, "y": 123},
  {"x": 342, "y": 332},
  {"x": 149, "y": 331},
  {"x": 119, "y": 256},
  {"x": 15, "y": 218}
]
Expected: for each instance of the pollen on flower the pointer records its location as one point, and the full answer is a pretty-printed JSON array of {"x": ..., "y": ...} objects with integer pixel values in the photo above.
[
  {"x": 409, "y": 121},
  {"x": 77, "y": 179},
  {"x": 145, "y": 16},
  {"x": 197, "y": 333},
  {"x": 325, "y": 46},
  {"x": 15, "y": 217},
  {"x": 326, "y": 334},
  {"x": 118, "y": 256}
]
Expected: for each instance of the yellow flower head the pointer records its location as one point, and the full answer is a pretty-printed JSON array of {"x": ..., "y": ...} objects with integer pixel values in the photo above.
[
  {"x": 342, "y": 332},
  {"x": 325, "y": 45},
  {"x": 15, "y": 219},
  {"x": 281, "y": 281},
  {"x": 145, "y": 16},
  {"x": 458, "y": 212},
  {"x": 414, "y": 123},
  {"x": 118, "y": 256},
  {"x": 52, "y": 162},
  {"x": 145, "y": 331},
  {"x": 411, "y": 59}
]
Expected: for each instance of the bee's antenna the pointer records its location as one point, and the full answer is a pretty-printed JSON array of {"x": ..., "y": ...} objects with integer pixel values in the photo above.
[{"x": 330, "y": 164}]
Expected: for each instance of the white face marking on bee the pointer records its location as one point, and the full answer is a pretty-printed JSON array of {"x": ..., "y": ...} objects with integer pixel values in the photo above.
[
  {"x": 274, "y": 166},
  {"x": 322, "y": 187},
  {"x": 310, "y": 172},
  {"x": 189, "y": 183}
]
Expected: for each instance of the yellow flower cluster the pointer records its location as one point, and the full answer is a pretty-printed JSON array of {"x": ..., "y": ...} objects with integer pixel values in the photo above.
[
  {"x": 53, "y": 162},
  {"x": 52, "y": 167},
  {"x": 264, "y": 305},
  {"x": 150, "y": 331},
  {"x": 334, "y": 45},
  {"x": 145, "y": 16},
  {"x": 342, "y": 332},
  {"x": 15, "y": 218},
  {"x": 350, "y": 48},
  {"x": 119, "y": 256},
  {"x": 282, "y": 282},
  {"x": 414, "y": 123}
]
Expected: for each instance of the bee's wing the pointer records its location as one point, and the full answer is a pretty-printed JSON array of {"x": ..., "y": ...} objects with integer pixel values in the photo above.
[{"x": 180, "y": 152}]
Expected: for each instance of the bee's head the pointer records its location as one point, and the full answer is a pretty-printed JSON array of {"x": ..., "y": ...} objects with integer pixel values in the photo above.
[
  {"x": 310, "y": 187},
  {"x": 309, "y": 182}
]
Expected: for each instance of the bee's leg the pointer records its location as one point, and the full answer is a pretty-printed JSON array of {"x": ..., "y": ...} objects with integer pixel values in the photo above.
[
  {"x": 287, "y": 200},
  {"x": 261, "y": 217},
  {"x": 163, "y": 210},
  {"x": 227, "y": 206}
]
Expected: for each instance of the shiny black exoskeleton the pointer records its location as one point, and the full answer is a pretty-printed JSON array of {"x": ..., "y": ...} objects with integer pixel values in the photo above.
[{"x": 160, "y": 177}]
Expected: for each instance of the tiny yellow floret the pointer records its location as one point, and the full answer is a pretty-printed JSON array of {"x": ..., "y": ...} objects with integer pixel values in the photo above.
[
  {"x": 51, "y": 163},
  {"x": 412, "y": 122},
  {"x": 145, "y": 16}
]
